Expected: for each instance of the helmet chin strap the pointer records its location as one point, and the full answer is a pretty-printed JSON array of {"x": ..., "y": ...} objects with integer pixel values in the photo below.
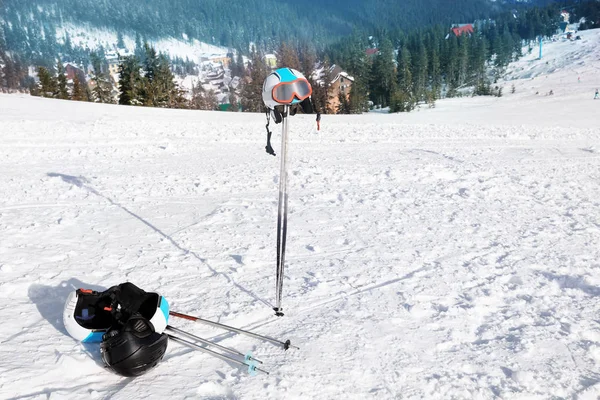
[
  {"x": 278, "y": 118},
  {"x": 307, "y": 108},
  {"x": 268, "y": 147}
]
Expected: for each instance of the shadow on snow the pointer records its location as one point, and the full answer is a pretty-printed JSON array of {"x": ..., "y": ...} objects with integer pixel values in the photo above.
[{"x": 83, "y": 183}]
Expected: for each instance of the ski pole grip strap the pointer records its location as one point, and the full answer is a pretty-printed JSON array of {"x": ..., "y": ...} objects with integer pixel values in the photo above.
[{"x": 268, "y": 147}]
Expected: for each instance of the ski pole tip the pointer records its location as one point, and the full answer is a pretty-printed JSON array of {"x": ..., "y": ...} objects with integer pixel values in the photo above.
[
  {"x": 278, "y": 311},
  {"x": 288, "y": 345},
  {"x": 253, "y": 370},
  {"x": 263, "y": 371},
  {"x": 249, "y": 357}
]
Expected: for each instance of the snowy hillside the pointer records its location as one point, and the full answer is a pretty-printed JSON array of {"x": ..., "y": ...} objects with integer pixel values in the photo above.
[
  {"x": 446, "y": 253},
  {"x": 570, "y": 69},
  {"x": 90, "y": 37}
]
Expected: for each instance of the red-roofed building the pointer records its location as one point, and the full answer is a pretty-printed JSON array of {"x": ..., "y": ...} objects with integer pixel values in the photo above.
[
  {"x": 73, "y": 71},
  {"x": 462, "y": 29},
  {"x": 372, "y": 52}
]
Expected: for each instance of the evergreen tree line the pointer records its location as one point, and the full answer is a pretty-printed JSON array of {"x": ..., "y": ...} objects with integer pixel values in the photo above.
[
  {"x": 408, "y": 68},
  {"x": 417, "y": 67},
  {"x": 149, "y": 82},
  {"x": 432, "y": 63},
  {"x": 144, "y": 81},
  {"x": 235, "y": 24},
  {"x": 13, "y": 71},
  {"x": 53, "y": 83},
  {"x": 590, "y": 10}
]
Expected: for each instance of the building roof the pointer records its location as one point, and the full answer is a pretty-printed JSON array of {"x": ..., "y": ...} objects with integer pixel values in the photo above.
[
  {"x": 338, "y": 72},
  {"x": 72, "y": 65},
  {"x": 461, "y": 29},
  {"x": 371, "y": 52}
]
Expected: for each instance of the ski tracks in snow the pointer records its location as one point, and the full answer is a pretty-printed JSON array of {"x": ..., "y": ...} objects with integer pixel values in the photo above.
[{"x": 424, "y": 261}]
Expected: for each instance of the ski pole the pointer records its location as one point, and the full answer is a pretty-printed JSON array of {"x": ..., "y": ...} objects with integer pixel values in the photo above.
[
  {"x": 286, "y": 345},
  {"x": 282, "y": 211},
  {"x": 251, "y": 367},
  {"x": 247, "y": 357}
]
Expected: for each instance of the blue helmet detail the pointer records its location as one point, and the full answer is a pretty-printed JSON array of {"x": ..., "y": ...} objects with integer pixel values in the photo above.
[
  {"x": 286, "y": 75},
  {"x": 94, "y": 337},
  {"x": 164, "y": 307}
]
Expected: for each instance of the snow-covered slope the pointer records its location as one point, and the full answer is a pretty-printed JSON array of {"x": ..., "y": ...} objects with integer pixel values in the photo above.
[
  {"x": 91, "y": 37},
  {"x": 570, "y": 69},
  {"x": 447, "y": 253}
]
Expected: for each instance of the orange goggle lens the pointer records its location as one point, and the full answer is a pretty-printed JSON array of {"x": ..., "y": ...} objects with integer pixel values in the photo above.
[{"x": 285, "y": 92}]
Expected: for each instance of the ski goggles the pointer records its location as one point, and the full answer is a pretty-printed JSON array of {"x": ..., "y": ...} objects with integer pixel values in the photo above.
[{"x": 285, "y": 92}]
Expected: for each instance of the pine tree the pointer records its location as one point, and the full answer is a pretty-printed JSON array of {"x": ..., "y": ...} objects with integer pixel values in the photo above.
[
  {"x": 68, "y": 46},
  {"x": 139, "y": 48},
  {"x": 405, "y": 77},
  {"x": 120, "y": 41},
  {"x": 21, "y": 71},
  {"x": 237, "y": 65},
  {"x": 195, "y": 101},
  {"x": 61, "y": 90},
  {"x": 358, "y": 101},
  {"x": 129, "y": 81},
  {"x": 212, "y": 103},
  {"x": 463, "y": 60},
  {"x": 479, "y": 57},
  {"x": 404, "y": 97},
  {"x": 436, "y": 74},
  {"x": 509, "y": 46},
  {"x": 344, "y": 104},
  {"x": 321, "y": 87},
  {"x": 233, "y": 102},
  {"x": 102, "y": 90},
  {"x": 167, "y": 91},
  {"x": 287, "y": 57},
  {"x": 308, "y": 59},
  {"x": 198, "y": 101},
  {"x": 383, "y": 78},
  {"x": 499, "y": 51},
  {"x": 10, "y": 74},
  {"x": 78, "y": 93},
  {"x": 358, "y": 64},
  {"x": 48, "y": 84},
  {"x": 518, "y": 46},
  {"x": 452, "y": 67},
  {"x": 150, "y": 91},
  {"x": 401, "y": 101},
  {"x": 177, "y": 97},
  {"x": 2, "y": 74},
  {"x": 252, "y": 91},
  {"x": 150, "y": 62},
  {"x": 420, "y": 68},
  {"x": 2, "y": 42},
  {"x": 241, "y": 72},
  {"x": 3, "y": 57}
]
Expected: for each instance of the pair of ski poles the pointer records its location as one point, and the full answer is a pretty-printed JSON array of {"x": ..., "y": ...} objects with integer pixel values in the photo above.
[
  {"x": 232, "y": 355},
  {"x": 248, "y": 360}
]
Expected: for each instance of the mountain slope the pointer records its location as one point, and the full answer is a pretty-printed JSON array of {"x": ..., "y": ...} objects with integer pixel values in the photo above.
[{"x": 238, "y": 22}]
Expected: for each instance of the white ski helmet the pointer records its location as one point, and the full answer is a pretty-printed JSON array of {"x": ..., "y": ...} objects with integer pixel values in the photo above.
[{"x": 285, "y": 86}]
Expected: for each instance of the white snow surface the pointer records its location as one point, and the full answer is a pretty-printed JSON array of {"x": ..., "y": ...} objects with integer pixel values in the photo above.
[{"x": 450, "y": 253}]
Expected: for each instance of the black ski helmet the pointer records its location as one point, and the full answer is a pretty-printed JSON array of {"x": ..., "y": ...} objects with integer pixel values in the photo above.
[{"x": 133, "y": 349}]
